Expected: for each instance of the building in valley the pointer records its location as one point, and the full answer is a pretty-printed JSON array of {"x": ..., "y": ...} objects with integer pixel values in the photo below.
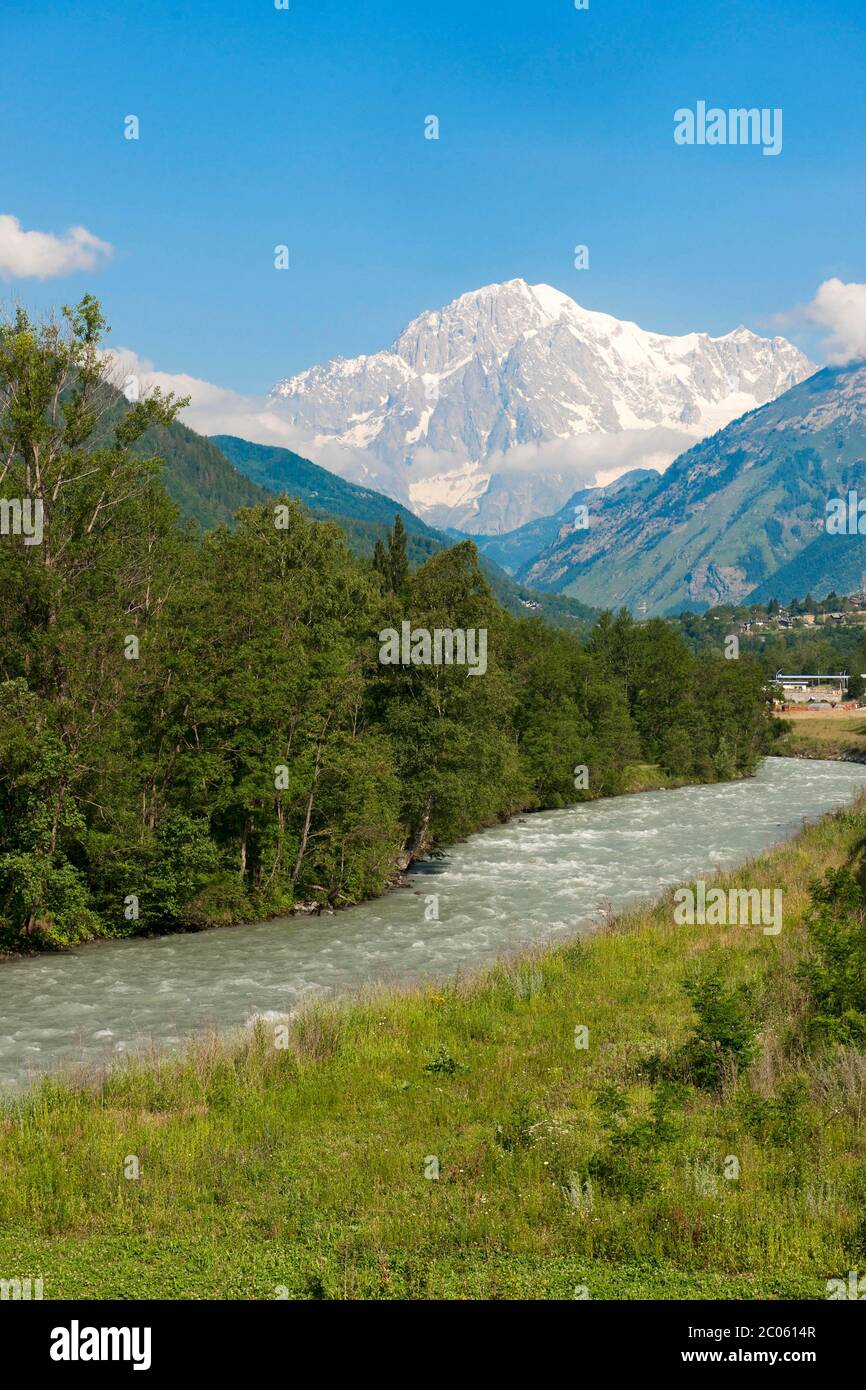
[{"x": 801, "y": 689}]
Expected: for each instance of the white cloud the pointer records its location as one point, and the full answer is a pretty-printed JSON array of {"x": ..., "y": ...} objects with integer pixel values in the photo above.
[
  {"x": 212, "y": 409},
  {"x": 841, "y": 308},
  {"x": 536, "y": 479},
  {"x": 585, "y": 457},
  {"x": 41, "y": 255}
]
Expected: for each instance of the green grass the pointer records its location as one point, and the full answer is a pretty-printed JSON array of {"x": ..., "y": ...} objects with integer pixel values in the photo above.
[
  {"x": 301, "y": 1169},
  {"x": 648, "y": 777},
  {"x": 841, "y": 736}
]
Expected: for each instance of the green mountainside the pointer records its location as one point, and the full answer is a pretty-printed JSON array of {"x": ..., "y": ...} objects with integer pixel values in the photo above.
[
  {"x": 739, "y": 515},
  {"x": 828, "y": 563},
  {"x": 514, "y": 550},
  {"x": 281, "y": 470},
  {"x": 198, "y": 476}
]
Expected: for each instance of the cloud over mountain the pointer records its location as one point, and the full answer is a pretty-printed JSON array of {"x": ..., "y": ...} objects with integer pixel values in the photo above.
[{"x": 841, "y": 308}]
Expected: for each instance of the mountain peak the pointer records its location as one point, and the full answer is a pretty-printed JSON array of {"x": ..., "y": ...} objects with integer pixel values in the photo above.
[{"x": 491, "y": 410}]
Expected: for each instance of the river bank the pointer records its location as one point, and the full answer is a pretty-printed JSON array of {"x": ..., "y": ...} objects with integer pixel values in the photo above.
[
  {"x": 636, "y": 777},
  {"x": 451, "y": 1140},
  {"x": 532, "y": 881},
  {"x": 825, "y": 734}
]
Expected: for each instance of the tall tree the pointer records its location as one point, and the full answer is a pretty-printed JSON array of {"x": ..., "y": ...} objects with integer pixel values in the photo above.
[{"x": 74, "y": 596}]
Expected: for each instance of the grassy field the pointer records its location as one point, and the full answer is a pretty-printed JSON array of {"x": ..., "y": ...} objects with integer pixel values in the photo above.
[
  {"x": 825, "y": 735},
  {"x": 298, "y": 1171}
]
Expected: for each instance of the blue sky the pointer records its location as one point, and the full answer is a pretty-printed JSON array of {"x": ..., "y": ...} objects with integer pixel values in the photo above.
[{"x": 306, "y": 127}]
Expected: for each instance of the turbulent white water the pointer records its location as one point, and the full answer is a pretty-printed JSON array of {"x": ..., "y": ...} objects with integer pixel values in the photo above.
[{"x": 540, "y": 878}]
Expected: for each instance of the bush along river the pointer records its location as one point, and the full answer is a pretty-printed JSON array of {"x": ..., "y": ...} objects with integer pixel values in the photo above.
[{"x": 538, "y": 879}]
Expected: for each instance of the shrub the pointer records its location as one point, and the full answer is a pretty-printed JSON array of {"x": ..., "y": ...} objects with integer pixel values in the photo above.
[
  {"x": 834, "y": 973},
  {"x": 443, "y": 1064},
  {"x": 516, "y": 1132},
  {"x": 632, "y": 1160},
  {"x": 723, "y": 1037},
  {"x": 780, "y": 1119}
]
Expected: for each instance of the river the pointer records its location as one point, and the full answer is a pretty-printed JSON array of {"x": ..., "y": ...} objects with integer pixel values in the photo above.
[{"x": 541, "y": 878}]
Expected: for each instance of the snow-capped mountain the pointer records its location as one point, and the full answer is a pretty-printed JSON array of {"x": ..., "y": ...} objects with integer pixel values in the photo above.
[{"x": 493, "y": 410}]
